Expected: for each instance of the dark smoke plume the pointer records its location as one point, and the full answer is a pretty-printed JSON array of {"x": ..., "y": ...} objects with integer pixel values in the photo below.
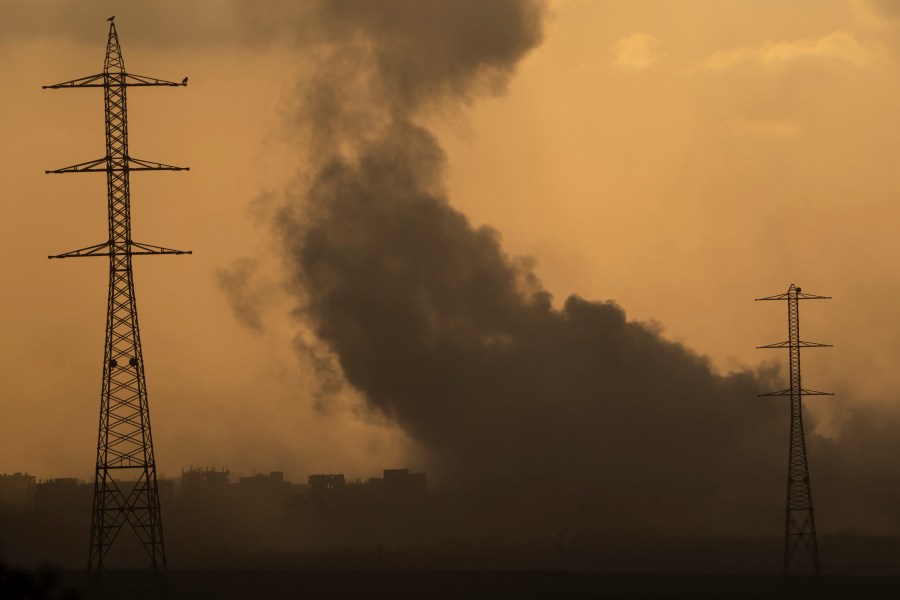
[
  {"x": 574, "y": 416},
  {"x": 459, "y": 344}
]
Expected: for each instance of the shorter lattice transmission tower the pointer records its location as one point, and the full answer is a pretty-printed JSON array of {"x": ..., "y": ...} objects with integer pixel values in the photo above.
[{"x": 800, "y": 524}]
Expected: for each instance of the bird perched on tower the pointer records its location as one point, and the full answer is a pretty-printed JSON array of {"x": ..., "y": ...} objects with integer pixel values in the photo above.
[
  {"x": 184, "y": 81},
  {"x": 111, "y": 19}
]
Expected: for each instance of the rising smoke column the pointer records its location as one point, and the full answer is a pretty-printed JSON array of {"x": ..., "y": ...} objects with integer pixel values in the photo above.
[{"x": 576, "y": 412}]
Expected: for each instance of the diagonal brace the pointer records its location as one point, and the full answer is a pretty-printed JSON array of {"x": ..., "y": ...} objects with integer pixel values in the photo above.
[
  {"x": 151, "y": 249},
  {"x": 96, "y": 250}
]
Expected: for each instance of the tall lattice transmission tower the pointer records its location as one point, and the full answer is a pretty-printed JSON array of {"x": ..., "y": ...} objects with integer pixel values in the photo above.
[
  {"x": 800, "y": 524},
  {"x": 125, "y": 485}
]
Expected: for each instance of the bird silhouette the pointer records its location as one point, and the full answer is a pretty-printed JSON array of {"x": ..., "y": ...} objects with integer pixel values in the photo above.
[
  {"x": 111, "y": 18},
  {"x": 184, "y": 81}
]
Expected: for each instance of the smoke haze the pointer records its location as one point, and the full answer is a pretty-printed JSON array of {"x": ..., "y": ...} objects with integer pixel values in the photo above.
[
  {"x": 681, "y": 159},
  {"x": 447, "y": 335}
]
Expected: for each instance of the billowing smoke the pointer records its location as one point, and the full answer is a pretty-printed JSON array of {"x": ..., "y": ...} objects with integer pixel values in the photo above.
[
  {"x": 574, "y": 415},
  {"x": 459, "y": 344}
]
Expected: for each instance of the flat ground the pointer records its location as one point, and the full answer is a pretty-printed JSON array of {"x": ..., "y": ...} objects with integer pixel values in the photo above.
[{"x": 438, "y": 584}]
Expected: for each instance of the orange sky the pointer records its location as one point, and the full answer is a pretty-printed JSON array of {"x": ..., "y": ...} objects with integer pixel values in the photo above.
[{"x": 681, "y": 158}]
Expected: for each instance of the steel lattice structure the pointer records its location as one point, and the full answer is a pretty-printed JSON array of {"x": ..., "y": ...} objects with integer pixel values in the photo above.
[
  {"x": 125, "y": 484},
  {"x": 800, "y": 524}
]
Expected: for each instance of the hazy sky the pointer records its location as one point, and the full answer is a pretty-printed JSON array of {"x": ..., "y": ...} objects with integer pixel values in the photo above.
[{"x": 679, "y": 158}]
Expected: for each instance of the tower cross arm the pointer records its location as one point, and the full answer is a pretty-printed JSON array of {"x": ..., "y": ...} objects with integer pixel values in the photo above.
[
  {"x": 105, "y": 249},
  {"x": 800, "y": 344},
  {"x": 102, "y": 165},
  {"x": 800, "y": 296},
  {"x": 116, "y": 80},
  {"x": 803, "y": 392}
]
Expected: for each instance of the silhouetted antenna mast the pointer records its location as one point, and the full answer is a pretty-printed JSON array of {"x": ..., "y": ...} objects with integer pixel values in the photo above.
[
  {"x": 125, "y": 445},
  {"x": 800, "y": 524}
]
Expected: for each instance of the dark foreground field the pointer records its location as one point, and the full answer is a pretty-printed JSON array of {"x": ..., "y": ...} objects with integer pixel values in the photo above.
[{"x": 437, "y": 584}]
